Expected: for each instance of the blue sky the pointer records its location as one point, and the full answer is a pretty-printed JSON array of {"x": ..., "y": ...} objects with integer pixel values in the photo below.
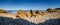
[{"x": 29, "y": 4}]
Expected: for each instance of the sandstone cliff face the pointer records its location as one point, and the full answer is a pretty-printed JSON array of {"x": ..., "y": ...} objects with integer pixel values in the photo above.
[
  {"x": 28, "y": 14},
  {"x": 40, "y": 19},
  {"x": 39, "y": 13},
  {"x": 57, "y": 8},
  {"x": 25, "y": 14},
  {"x": 32, "y": 13},
  {"x": 20, "y": 14},
  {"x": 35, "y": 18},
  {"x": 3, "y": 11},
  {"x": 52, "y": 10}
]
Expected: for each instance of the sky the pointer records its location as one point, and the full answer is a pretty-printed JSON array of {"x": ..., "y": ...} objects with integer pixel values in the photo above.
[{"x": 29, "y": 4}]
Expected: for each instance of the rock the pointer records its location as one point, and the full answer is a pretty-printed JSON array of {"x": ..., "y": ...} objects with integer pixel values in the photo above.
[
  {"x": 20, "y": 14},
  {"x": 57, "y": 8},
  {"x": 3, "y": 11},
  {"x": 51, "y": 10},
  {"x": 44, "y": 13},
  {"x": 32, "y": 13},
  {"x": 38, "y": 12},
  {"x": 27, "y": 14}
]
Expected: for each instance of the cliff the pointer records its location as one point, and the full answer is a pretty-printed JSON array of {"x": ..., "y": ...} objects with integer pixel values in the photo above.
[{"x": 36, "y": 17}]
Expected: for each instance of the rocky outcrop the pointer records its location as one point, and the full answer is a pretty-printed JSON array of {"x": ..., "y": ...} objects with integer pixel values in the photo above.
[
  {"x": 34, "y": 18},
  {"x": 51, "y": 10},
  {"x": 57, "y": 8},
  {"x": 38, "y": 12},
  {"x": 19, "y": 11},
  {"x": 32, "y": 13},
  {"x": 28, "y": 14},
  {"x": 3, "y": 11},
  {"x": 20, "y": 14}
]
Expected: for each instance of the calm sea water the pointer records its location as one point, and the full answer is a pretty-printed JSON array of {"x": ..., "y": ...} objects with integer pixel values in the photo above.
[{"x": 15, "y": 11}]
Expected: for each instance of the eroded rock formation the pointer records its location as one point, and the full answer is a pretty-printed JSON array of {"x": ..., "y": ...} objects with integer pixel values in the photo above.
[
  {"x": 51, "y": 10},
  {"x": 57, "y": 8},
  {"x": 20, "y": 14},
  {"x": 3, "y": 11},
  {"x": 38, "y": 12},
  {"x": 28, "y": 14},
  {"x": 32, "y": 13},
  {"x": 38, "y": 19}
]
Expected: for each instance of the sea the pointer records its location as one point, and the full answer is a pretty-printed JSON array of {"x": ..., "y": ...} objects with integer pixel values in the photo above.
[{"x": 15, "y": 11}]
